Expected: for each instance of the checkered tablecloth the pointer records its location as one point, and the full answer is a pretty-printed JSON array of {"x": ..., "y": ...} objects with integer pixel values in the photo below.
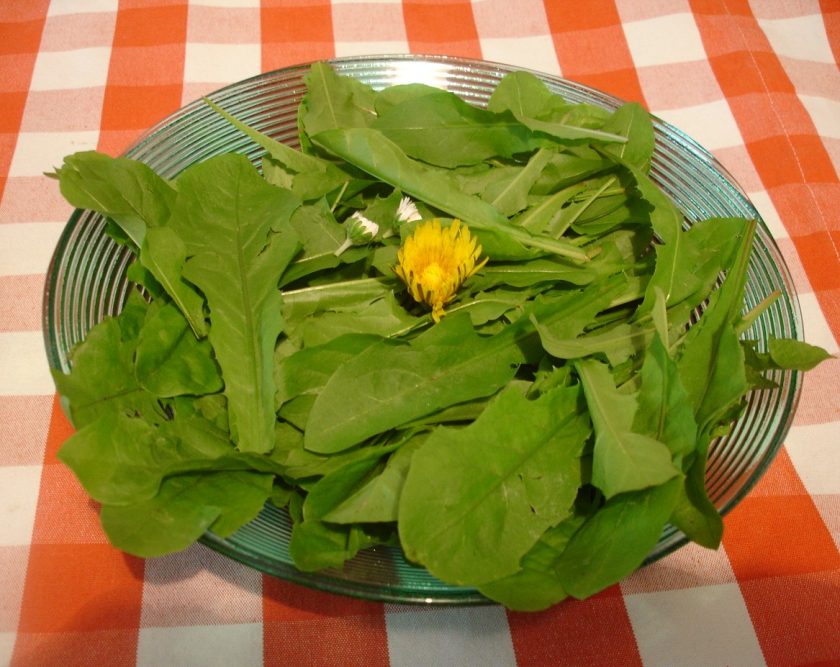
[{"x": 756, "y": 82}]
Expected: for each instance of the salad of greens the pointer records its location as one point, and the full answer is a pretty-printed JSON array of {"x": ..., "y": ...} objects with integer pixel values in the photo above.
[{"x": 485, "y": 336}]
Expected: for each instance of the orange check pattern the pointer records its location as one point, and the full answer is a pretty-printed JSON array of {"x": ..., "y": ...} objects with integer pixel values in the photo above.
[{"x": 757, "y": 82}]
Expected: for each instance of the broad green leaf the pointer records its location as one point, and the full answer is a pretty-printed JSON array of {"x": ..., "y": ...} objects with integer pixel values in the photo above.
[
  {"x": 786, "y": 353},
  {"x": 139, "y": 202},
  {"x": 477, "y": 499},
  {"x": 300, "y": 464},
  {"x": 238, "y": 267},
  {"x": 664, "y": 411},
  {"x": 443, "y": 130},
  {"x": 622, "y": 460},
  {"x": 617, "y": 343},
  {"x": 534, "y": 272},
  {"x": 122, "y": 460},
  {"x": 632, "y": 122},
  {"x": 308, "y": 176},
  {"x": 163, "y": 254},
  {"x": 334, "y": 101},
  {"x": 378, "y": 499},
  {"x": 184, "y": 508},
  {"x": 102, "y": 378},
  {"x": 524, "y": 95},
  {"x": 615, "y": 540},
  {"x": 374, "y": 153},
  {"x": 536, "y": 585},
  {"x": 712, "y": 362},
  {"x": 388, "y": 384},
  {"x": 169, "y": 360},
  {"x": 383, "y": 317},
  {"x": 301, "y": 303},
  {"x": 319, "y": 235},
  {"x": 316, "y": 545},
  {"x": 512, "y": 197},
  {"x": 308, "y": 370},
  {"x": 127, "y": 191}
]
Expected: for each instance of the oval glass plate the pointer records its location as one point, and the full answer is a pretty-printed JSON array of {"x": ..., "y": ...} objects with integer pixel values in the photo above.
[{"x": 86, "y": 282}]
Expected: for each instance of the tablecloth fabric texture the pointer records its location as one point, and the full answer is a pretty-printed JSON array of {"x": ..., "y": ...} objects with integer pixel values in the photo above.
[{"x": 756, "y": 82}]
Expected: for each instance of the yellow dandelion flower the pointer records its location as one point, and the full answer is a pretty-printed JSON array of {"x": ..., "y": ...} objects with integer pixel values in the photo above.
[{"x": 435, "y": 261}]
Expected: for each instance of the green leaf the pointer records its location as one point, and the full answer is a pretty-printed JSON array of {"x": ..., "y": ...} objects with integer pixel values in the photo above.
[
  {"x": 443, "y": 130},
  {"x": 309, "y": 369},
  {"x": 382, "y": 317},
  {"x": 618, "y": 343},
  {"x": 536, "y": 107},
  {"x": 387, "y": 385},
  {"x": 378, "y": 499},
  {"x": 477, "y": 499},
  {"x": 623, "y": 460},
  {"x": 238, "y": 266},
  {"x": 787, "y": 353},
  {"x": 127, "y": 191},
  {"x": 169, "y": 360},
  {"x": 316, "y": 545},
  {"x": 632, "y": 122},
  {"x": 536, "y": 585},
  {"x": 334, "y": 101},
  {"x": 512, "y": 197},
  {"x": 140, "y": 202},
  {"x": 184, "y": 508},
  {"x": 664, "y": 411},
  {"x": 122, "y": 460},
  {"x": 374, "y": 153},
  {"x": 615, "y": 540},
  {"x": 102, "y": 378},
  {"x": 163, "y": 253}
]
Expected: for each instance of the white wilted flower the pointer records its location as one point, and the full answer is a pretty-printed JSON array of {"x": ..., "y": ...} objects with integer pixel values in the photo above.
[
  {"x": 359, "y": 230},
  {"x": 407, "y": 211}
]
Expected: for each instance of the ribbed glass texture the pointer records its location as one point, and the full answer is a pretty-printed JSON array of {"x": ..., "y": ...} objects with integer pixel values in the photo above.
[{"x": 86, "y": 282}]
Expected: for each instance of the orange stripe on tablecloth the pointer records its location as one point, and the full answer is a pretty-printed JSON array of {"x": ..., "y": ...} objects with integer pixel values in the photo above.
[
  {"x": 79, "y": 598},
  {"x": 591, "y": 47},
  {"x": 136, "y": 98},
  {"x": 21, "y": 26},
  {"x": 788, "y": 161},
  {"x": 295, "y": 31},
  {"x": 308, "y": 627},
  {"x": 595, "y": 632},
  {"x": 788, "y": 569},
  {"x": 444, "y": 27}
]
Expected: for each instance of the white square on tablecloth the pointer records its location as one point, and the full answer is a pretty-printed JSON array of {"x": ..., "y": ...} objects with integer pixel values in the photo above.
[
  {"x": 24, "y": 370},
  {"x": 814, "y": 453},
  {"x": 65, "y": 70},
  {"x": 448, "y": 636},
  {"x": 26, "y": 247},
  {"x": 59, "y": 7},
  {"x": 711, "y": 124},
  {"x": 346, "y": 49},
  {"x": 239, "y": 645},
  {"x": 175, "y": 590},
  {"x": 40, "y": 152},
  {"x": 708, "y": 626},
  {"x": 236, "y": 4},
  {"x": 825, "y": 113},
  {"x": 7, "y": 646},
  {"x": 816, "y": 329},
  {"x": 664, "y": 39},
  {"x": 535, "y": 53},
  {"x": 800, "y": 37},
  {"x": 18, "y": 500},
  {"x": 767, "y": 210},
  {"x": 220, "y": 63}
]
